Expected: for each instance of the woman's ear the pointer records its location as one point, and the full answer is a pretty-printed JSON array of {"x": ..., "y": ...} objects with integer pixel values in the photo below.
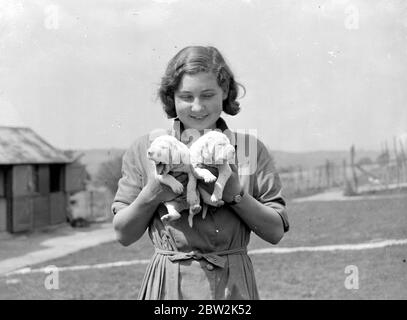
[
  {"x": 225, "y": 94},
  {"x": 225, "y": 90}
]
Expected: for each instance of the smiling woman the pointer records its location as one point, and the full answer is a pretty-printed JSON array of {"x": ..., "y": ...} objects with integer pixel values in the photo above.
[
  {"x": 198, "y": 101},
  {"x": 208, "y": 260},
  {"x": 204, "y": 70}
]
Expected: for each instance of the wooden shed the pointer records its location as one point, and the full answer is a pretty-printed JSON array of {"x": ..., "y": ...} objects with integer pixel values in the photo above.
[{"x": 35, "y": 181}]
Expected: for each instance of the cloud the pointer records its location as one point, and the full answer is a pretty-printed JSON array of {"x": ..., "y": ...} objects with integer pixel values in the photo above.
[
  {"x": 153, "y": 16},
  {"x": 11, "y": 14},
  {"x": 165, "y": 1}
]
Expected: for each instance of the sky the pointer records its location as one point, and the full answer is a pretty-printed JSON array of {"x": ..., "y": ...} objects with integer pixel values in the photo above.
[{"x": 319, "y": 75}]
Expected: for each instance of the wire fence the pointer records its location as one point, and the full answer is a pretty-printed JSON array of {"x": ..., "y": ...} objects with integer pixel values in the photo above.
[{"x": 385, "y": 174}]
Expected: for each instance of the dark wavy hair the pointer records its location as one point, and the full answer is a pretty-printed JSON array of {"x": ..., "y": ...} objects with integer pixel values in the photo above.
[{"x": 192, "y": 60}]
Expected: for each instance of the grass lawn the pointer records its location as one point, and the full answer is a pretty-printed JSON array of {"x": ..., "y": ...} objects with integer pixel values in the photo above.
[{"x": 307, "y": 275}]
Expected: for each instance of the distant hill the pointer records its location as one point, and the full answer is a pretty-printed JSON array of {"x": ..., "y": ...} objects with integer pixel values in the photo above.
[
  {"x": 313, "y": 159},
  {"x": 92, "y": 158}
]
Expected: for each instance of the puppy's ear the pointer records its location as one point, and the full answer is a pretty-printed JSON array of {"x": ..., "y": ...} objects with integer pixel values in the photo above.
[
  {"x": 226, "y": 139},
  {"x": 164, "y": 155},
  {"x": 175, "y": 152},
  {"x": 206, "y": 155},
  {"x": 211, "y": 146}
]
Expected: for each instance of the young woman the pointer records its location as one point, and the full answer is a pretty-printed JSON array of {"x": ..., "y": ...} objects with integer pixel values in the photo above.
[{"x": 208, "y": 261}]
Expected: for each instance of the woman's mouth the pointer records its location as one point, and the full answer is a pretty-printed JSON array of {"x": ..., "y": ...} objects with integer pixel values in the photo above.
[{"x": 198, "y": 117}]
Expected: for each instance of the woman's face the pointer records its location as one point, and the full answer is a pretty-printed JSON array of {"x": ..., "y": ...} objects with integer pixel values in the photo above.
[{"x": 198, "y": 101}]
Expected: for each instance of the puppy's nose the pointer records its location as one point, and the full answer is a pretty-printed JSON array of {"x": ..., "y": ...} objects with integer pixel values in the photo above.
[{"x": 149, "y": 153}]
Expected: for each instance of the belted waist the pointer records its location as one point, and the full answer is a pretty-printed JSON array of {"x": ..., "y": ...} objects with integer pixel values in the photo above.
[{"x": 216, "y": 258}]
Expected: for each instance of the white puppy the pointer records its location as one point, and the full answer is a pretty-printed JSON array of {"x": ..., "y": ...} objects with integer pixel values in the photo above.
[
  {"x": 215, "y": 150},
  {"x": 171, "y": 155}
]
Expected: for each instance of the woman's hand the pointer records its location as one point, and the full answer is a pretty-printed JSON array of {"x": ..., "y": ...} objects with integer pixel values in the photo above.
[
  {"x": 131, "y": 222},
  {"x": 233, "y": 186},
  {"x": 163, "y": 193}
]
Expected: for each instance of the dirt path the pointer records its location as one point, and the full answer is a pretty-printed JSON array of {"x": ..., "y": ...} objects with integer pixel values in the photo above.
[
  {"x": 24, "y": 251},
  {"x": 337, "y": 195}
]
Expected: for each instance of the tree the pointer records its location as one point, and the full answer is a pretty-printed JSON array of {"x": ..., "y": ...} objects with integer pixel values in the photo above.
[
  {"x": 109, "y": 173},
  {"x": 383, "y": 159}
]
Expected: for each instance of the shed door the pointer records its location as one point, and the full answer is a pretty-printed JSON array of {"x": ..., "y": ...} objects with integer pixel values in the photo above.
[
  {"x": 75, "y": 177},
  {"x": 23, "y": 180},
  {"x": 58, "y": 208},
  {"x": 2, "y": 182},
  {"x": 3, "y": 200},
  {"x": 3, "y": 214},
  {"x": 22, "y": 217},
  {"x": 41, "y": 211}
]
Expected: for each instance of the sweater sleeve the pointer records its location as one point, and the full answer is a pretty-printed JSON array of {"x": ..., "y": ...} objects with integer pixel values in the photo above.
[
  {"x": 267, "y": 184},
  {"x": 131, "y": 181}
]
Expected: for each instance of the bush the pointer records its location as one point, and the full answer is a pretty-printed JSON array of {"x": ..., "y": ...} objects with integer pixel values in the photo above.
[{"x": 365, "y": 161}]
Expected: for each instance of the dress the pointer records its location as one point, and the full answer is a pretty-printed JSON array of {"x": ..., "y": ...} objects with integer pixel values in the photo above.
[{"x": 205, "y": 273}]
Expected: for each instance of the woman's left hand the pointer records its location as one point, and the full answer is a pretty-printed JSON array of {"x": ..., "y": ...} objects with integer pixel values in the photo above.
[{"x": 233, "y": 186}]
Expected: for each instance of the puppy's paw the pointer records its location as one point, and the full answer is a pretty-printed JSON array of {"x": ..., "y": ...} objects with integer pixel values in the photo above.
[
  {"x": 204, "y": 211},
  {"x": 195, "y": 209},
  {"x": 216, "y": 195},
  {"x": 177, "y": 187},
  {"x": 219, "y": 203},
  {"x": 172, "y": 215},
  {"x": 214, "y": 198},
  {"x": 192, "y": 198},
  {"x": 190, "y": 219},
  {"x": 165, "y": 218},
  {"x": 208, "y": 177}
]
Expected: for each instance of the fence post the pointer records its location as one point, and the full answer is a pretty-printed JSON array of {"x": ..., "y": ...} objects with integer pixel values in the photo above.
[
  {"x": 398, "y": 163},
  {"x": 404, "y": 160},
  {"x": 91, "y": 204},
  {"x": 352, "y": 163}
]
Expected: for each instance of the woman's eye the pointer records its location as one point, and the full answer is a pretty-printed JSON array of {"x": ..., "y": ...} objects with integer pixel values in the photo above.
[
  {"x": 185, "y": 97},
  {"x": 207, "y": 95}
]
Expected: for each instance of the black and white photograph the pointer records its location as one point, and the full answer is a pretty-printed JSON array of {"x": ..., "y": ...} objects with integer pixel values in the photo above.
[{"x": 233, "y": 150}]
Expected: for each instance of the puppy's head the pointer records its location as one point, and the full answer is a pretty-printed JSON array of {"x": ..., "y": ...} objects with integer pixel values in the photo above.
[
  {"x": 217, "y": 149},
  {"x": 162, "y": 151}
]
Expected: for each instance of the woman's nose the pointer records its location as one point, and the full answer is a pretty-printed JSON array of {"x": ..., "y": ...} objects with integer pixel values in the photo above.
[{"x": 196, "y": 106}]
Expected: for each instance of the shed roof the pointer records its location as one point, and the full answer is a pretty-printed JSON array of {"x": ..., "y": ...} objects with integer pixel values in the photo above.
[{"x": 20, "y": 145}]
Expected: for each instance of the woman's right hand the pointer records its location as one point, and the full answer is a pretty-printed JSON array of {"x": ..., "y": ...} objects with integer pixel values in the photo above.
[
  {"x": 163, "y": 193},
  {"x": 131, "y": 222}
]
